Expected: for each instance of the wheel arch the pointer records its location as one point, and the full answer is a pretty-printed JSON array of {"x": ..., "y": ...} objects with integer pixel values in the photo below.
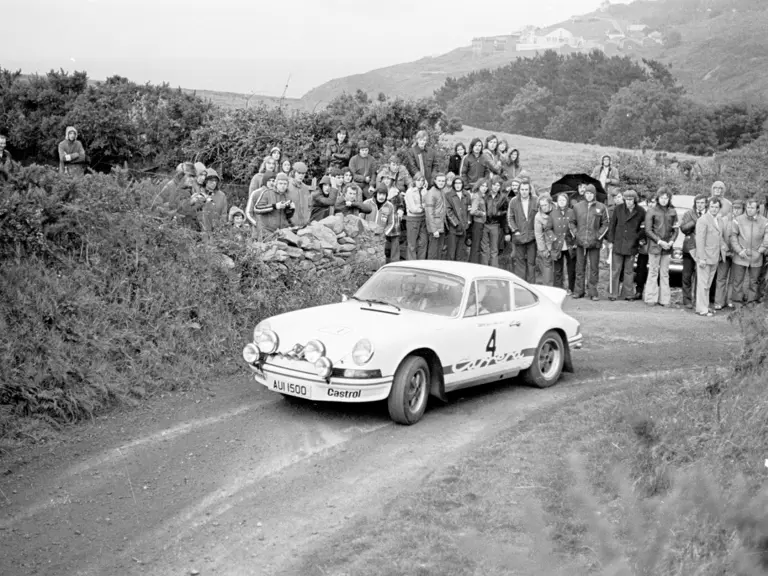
[
  {"x": 437, "y": 382},
  {"x": 567, "y": 361}
]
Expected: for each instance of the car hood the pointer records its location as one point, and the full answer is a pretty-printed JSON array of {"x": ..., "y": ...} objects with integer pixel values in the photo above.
[{"x": 339, "y": 326}]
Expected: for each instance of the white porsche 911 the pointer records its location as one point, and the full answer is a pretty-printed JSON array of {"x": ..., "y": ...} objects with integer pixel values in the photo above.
[{"x": 413, "y": 329}]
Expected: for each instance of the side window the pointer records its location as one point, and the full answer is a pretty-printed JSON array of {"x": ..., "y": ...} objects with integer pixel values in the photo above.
[
  {"x": 471, "y": 302},
  {"x": 524, "y": 297},
  {"x": 494, "y": 296}
]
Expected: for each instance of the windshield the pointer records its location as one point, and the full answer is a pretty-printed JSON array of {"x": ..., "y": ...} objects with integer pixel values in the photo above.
[{"x": 421, "y": 290}]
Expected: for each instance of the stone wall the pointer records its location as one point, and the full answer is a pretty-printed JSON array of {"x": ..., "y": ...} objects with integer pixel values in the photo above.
[{"x": 335, "y": 242}]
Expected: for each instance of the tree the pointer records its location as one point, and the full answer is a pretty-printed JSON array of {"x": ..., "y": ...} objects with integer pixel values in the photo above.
[{"x": 528, "y": 113}]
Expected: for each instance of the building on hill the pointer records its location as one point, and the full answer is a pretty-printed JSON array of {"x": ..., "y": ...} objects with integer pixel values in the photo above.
[
  {"x": 485, "y": 45},
  {"x": 637, "y": 28},
  {"x": 554, "y": 40}
]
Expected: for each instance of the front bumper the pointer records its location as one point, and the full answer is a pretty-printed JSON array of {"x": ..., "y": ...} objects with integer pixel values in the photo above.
[{"x": 296, "y": 378}]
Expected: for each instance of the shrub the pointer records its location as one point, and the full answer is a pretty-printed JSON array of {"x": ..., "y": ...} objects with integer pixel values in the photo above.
[{"x": 102, "y": 302}]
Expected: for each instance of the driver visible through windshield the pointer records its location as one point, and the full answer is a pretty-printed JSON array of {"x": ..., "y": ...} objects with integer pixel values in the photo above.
[{"x": 421, "y": 290}]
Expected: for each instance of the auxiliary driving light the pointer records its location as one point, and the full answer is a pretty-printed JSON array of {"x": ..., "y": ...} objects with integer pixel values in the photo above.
[
  {"x": 324, "y": 367},
  {"x": 265, "y": 339},
  {"x": 251, "y": 353},
  {"x": 314, "y": 350}
]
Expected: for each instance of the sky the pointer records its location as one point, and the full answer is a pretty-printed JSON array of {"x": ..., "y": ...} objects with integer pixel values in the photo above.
[{"x": 253, "y": 46}]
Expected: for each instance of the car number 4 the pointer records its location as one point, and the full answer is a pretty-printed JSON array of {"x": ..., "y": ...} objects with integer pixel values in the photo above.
[{"x": 491, "y": 346}]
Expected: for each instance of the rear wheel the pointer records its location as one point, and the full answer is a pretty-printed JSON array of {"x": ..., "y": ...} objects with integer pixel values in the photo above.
[
  {"x": 548, "y": 361},
  {"x": 410, "y": 390}
]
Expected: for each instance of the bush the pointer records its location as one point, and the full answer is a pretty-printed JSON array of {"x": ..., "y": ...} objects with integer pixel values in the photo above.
[{"x": 102, "y": 303}]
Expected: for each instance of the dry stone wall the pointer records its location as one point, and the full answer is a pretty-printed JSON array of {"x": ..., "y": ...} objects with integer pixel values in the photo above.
[{"x": 336, "y": 242}]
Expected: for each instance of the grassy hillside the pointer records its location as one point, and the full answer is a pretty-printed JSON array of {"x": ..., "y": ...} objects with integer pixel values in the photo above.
[
  {"x": 232, "y": 100},
  {"x": 722, "y": 57}
]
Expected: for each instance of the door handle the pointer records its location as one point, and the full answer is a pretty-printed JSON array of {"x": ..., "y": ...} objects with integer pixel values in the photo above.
[{"x": 515, "y": 323}]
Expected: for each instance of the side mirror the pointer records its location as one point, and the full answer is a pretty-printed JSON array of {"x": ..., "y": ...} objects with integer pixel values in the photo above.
[{"x": 344, "y": 297}]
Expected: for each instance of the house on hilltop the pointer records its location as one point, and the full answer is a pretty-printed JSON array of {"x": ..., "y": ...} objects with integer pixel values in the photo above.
[
  {"x": 554, "y": 40},
  {"x": 492, "y": 44}
]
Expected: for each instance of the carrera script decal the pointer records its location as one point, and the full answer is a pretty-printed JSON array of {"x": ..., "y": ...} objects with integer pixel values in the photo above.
[{"x": 486, "y": 362}]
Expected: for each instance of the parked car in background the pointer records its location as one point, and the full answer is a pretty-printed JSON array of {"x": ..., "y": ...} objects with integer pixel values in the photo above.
[{"x": 416, "y": 329}]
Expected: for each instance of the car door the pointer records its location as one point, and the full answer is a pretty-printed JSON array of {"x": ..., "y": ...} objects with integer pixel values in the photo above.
[
  {"x": 527, "y": 323},
  {"x": 487, "y": 340}
]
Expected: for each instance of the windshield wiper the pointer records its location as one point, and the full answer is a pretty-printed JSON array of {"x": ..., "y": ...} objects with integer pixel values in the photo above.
[{"x": 375, "y": 301}]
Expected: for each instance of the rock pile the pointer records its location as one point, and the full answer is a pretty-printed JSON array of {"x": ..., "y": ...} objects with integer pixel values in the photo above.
[{"x": 334, "y": 242}]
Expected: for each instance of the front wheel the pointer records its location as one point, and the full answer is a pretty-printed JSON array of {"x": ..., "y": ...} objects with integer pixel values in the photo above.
[
  {"x": 548, "y": 361},
  {"x": 410, "y": 390}
]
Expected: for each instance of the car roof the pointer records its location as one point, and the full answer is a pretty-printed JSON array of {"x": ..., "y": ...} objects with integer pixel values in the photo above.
[
  {"x": 466, "y": 270},
  {"x": 683, "y": 201}
]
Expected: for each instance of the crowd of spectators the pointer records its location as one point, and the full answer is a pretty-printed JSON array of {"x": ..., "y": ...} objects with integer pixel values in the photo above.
[{"x": 484, "y": 205}]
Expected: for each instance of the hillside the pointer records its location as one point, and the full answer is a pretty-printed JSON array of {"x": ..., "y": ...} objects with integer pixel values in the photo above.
[{"x": 721, "y": 55}]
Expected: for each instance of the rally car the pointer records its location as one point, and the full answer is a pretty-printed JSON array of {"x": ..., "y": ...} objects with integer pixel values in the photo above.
[{"x": 415, "y": 329}]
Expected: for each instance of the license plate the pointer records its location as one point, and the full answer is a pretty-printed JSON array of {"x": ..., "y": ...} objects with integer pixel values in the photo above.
[{"x": 277, "y": 384}]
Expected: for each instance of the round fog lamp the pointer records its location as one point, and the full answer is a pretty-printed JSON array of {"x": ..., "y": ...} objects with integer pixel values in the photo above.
[
  {"x": 362, "y": 352},
  {"x": 314, "y": 350},
  {"x": 323, "y": 367},
  {"x": 266, "y": 340},
  {"x": 251, "y": 353}
]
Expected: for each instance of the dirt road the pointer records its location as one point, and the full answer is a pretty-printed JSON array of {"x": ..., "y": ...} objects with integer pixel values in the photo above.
[{"x": 236, "y": 480}]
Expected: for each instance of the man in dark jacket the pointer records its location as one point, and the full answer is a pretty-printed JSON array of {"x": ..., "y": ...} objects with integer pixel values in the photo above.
[
  {"x": 363, "y": 170},
  {"x": 589, "y": 225},
  {"x": 456, "y": 221},
  {"x": 419, "y": 158},
  {"x": 688, "y": 229},
  {"x": 349, "y": 203},
  {"x": 624, "y": 232},
  {"x": 520, "y": 216},
  {"x": 496, "y": 226},
  {"x": 565, "y": 250},
  {"x": 338, "y": 153}
]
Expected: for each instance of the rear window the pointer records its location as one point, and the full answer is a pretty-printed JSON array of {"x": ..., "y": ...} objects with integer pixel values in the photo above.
[{"x": 524, "y": 297}]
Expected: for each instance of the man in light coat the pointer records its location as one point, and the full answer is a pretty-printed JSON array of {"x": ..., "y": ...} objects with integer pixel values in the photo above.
[
  {"x": 708, "y": 253},
  {"x": 749, "y": 241},
  {"x": 71, "y": 154}
]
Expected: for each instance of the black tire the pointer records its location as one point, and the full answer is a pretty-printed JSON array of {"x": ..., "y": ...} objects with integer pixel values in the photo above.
[
  {"x": 548, "y": 361},
  {"x": 410, "y": 390}
]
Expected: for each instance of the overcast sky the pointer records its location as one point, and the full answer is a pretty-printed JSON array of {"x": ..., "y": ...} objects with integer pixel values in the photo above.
[{"x": 252, "y": 45}]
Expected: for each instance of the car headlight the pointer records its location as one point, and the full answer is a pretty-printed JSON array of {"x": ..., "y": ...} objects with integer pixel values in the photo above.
[
  {"x": 323, "y": 367},
  {"x": 362, "y": 352},
  {"x": 251, "y": 353},
  {"x": 265, "y": 339},
  {"x": 314, "y": 350}
]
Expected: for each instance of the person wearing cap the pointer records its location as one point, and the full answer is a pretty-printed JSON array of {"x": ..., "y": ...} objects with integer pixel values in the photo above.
[
  {"x": 399, "y": 174},
  {"x": 72, "y": 156},
  {"x": 723, "y": 277},
  {"x": 300, "y": 194},
  {"x": 624, "y": 232},
  {"x": 323, "y": 200},
  {"x": 269, "y": 208},
  {"x": 214, "y": 211},
  {"x": 521, "y": 214},
  {"x": 276, "y": 154},
  {"x": 589, "y": 225},
  {"x": 339, "y": 152},
  {"x": 363, "y": 169},
  {"x": 351, "y": 205},
  {"x": 415, "y": 221},
  {"x": 434, "y": 216},
  {"x": 237, "y": 217},
  {"x": 420, "y": 159}
]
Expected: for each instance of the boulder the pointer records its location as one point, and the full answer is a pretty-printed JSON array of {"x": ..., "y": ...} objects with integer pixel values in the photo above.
[
  {"x": 268, "y": 254},
  {"x": 347, "y": 240},
  {"x": 280, "y": 256},
  {"x": 309, "y": 243},
  {"x": 353, "y": 226},
  {"x": 347, "y": 248},
  {"x": 328, "y": 253},
  {"x": 339, "y": 261},
  {"x": 324, "y": 235},
  {"x": 312, "y": 255},
  {"x": 334, "y": 223},
  {"x": 294, "y": 252},
  {"x": 288, "y": 236},
  {"x": 306, "y": 266},
  {"x": 371, "y": 251}
]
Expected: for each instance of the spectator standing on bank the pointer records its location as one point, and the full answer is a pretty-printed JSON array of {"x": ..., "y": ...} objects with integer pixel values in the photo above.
[
  {"x": 363, "y": 169},
  {"x": 520, "y": 217},
  {"x": 257, "y": 181},
  {"x": 718, "y": 191},
  {"x": 724, "y": 277},
  {"x": 608, "y": 176},
  {"x": 421, "y": 159},
  {"x": 382, "y": 215},
  {"x": 339, "y": 152},
  {"x": 399, "y": 174},
  {"x": 477, "y": 213},
  {"x": 661, "y": 230},
  {"x": 415, "y": 221},
  {"x": 688, "y": 229},
  {"x": 323, "y": 200},
  {"x": 473, "y": 168},
  {"x": 434, "y": 213},
  {"x": 544, "y": 231},
  {"x": 6, "y": 161},
  {"x": 351, "y": 205},
  {"x": 457, "y": 220},
  {"x": 300, "y": 194},
  {"x": 708, "y": 254},
  {"x": 641, "y": 269},
  {"x": 496, "y": 225},
  {"x": 490, "y": 157},
  {"x": 213, "y": 214},
  {"x": 589, "y": 225},
  {"x": 71, "y": 154},
  {"x": 514, "y": 167},
  {"x": 749, "y": 241},
  {"x": 456, "y": 160},
  {"x": 624, "y": 232},
  {"x": 564, "y": 257}
]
